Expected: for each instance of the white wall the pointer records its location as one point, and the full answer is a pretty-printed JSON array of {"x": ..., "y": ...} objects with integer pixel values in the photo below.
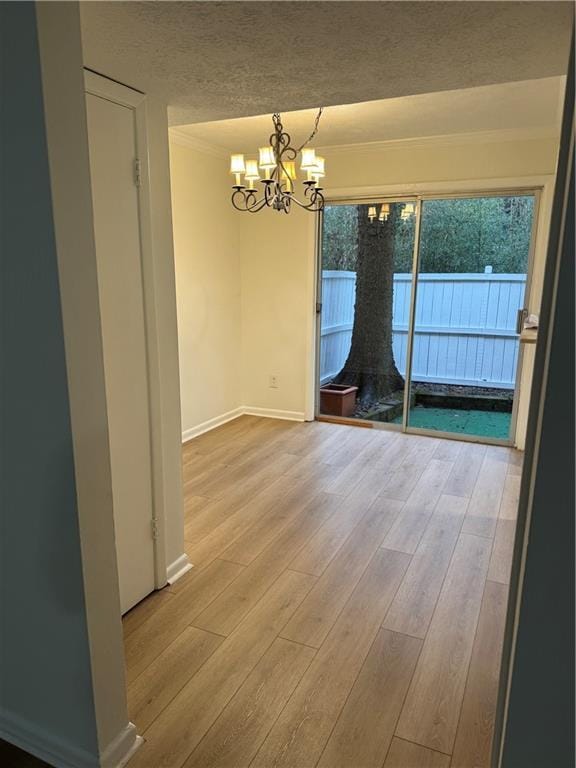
[
  {"x": 277, "y": 252},
  {"x": 277, "y": 289},
  {"x": 208, "y": 285}
]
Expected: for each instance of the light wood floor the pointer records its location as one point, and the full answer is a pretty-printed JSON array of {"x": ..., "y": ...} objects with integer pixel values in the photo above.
[{"x": 346, "y": 608}]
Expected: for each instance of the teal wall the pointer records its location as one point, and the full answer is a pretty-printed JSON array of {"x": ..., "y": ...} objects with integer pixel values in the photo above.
[
  {"x": 45, "y": 666},
  {"x": 540, "y": 728}
]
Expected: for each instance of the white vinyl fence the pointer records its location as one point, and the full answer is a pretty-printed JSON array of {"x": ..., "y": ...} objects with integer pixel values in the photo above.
[{"x": 464, "y": 331}]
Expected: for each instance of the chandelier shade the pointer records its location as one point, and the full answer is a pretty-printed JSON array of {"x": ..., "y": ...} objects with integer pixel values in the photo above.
[{"x": 277, "y": 161}]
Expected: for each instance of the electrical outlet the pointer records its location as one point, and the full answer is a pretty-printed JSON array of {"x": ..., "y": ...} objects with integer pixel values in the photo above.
[{"x": 273, "y": 382}]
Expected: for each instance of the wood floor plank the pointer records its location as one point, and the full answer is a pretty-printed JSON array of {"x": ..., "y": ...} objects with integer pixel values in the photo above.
[
  {"x": 409, "y": 527},
  {"x": 196, "y": 463},
  {"x": 350, "y": 476},
  {"x": 403, "y": 480},
  {"x": 236, "y": 735},
  {"x": 246, "y": 448},
  {"x": 255, "y": 538},
  {"x": 252, "y": 510},
  {"x": 227, "y": 610},
  {"x": 198, "y": 517},
  {"x": 510, "y": 498},
  {"x": 366, "y": 725},
  {"x": 430, "y": 713},
  {"x": 204, "y": 521},
  {"x": 143, "y": 610},
  {"x": 414, "y": 603},
  {"x": 484, "y": 506},
  {"x": 516, "y": 463},
  {"x": 349, "y": 445},
  {"x": 304, "y": 726},
  {"x": 404, "y": 754},
  {"x": 503, "y": 549},
  {"x": 218, "y": 483},
  {"x": 307, "y": 438},
  {"x": 200, "y": 482},
  {"x": 500, "y": 453},
  {"x": 312, "y": 622},
  {"x": 177, "y": 731},
  {"x": 448, "y": 450},
  {"x": 149, "y": 640},
  {"x": 463, "y": 477},
  {"x": 324, "y": 447},
  {"x": 238, "y": 429},
  {"x": 155, "y": 688},
  {"x": 391, "y": 453},
  {"x": 193, "y": 505},
  {"x": 476, "y": 726},
  {"x": 315, "y": 556}
]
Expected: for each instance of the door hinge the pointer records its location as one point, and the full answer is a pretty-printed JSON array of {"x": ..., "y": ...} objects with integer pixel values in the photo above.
[
  {"x": 318, "y": 307},
  {"x": 154, "y": 525},
  {"x": 137, "y": 172}
]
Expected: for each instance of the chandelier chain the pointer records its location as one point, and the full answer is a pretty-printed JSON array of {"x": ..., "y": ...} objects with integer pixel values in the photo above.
[{"x": 314, "y": 132}]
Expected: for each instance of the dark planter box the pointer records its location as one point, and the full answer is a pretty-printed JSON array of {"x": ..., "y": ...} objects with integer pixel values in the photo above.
[{"x": 338, "y": 399}]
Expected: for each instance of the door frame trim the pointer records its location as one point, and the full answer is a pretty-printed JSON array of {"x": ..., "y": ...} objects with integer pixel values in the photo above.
[
  {"x": 110, "y": 90},
  {"x": 541, "y": 185}
]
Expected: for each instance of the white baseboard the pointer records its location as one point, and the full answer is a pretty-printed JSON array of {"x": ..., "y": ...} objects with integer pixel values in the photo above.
[
  {"x": 243, "y": 410},
  {"x": 206, "y": 426},
  {"x": 45, "y": 746},
  {"x": 271, "y": 413},
  {"x": 178, "y": 568},
  {"x": 117, "y": 754}
]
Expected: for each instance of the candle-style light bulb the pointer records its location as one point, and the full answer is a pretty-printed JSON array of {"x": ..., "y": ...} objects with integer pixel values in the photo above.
[
  {"x": 252, "y": 174},
  {"x": 267, "y": 160},
  {"x": 318, "y": 172},
  {"x": 308, "y": 159},
  {"x": 289, "y": 174},
  {"x": 237, "y": 167}
]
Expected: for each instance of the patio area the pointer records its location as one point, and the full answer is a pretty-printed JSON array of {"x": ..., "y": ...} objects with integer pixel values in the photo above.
[{"x": 465, "y": 349}]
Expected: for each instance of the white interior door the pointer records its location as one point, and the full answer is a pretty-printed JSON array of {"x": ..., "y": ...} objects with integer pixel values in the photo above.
[{"x": 112, "y": 140}]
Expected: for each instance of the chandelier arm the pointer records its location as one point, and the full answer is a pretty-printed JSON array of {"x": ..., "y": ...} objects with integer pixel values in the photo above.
[
  {"x": 250, "y": 207},
  {"x": 255, "y": 208},
  {"x": 316, "y": 202}
]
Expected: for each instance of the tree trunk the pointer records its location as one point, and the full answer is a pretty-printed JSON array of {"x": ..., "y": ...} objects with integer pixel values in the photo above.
[{"x": 370, "y": 364}]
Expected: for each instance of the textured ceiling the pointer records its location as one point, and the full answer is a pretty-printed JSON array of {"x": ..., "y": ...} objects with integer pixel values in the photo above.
[
  {"x": 531, "y": 106},
  {"x": 213, "y": 60}
]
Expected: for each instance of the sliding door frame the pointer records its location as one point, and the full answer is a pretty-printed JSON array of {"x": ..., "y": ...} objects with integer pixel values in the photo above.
[{"x": 535, "y": 190}]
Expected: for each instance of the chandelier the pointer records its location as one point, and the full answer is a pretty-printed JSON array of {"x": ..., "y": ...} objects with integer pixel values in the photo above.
[{"x": 277, "y": 163}]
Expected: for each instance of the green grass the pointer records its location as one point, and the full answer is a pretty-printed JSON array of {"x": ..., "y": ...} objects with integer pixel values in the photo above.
[{"x": 465, "y": 422}]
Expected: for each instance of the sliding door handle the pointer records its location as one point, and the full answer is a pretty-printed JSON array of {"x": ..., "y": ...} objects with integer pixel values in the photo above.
[{"x": 521, "y": 316}]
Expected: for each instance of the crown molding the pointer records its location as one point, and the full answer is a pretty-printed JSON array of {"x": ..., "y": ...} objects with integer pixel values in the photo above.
[
  {"x": 178, "y": 136},
  {"x": 449, "y": 139}
]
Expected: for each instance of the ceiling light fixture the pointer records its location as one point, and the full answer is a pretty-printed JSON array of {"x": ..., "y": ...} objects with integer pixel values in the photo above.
[{"x": 277, "y": 161}]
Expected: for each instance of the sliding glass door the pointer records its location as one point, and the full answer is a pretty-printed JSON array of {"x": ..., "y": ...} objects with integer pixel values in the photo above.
[
  {"x": 471, "y": 281},
  {"x": 366, "y": 283},
  {"x": 438, "y": 350}
]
